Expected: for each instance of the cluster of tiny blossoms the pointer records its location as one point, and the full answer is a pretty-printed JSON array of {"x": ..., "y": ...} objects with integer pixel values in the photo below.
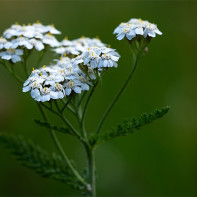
[
  {"x": 71, "y": 74},
  {"x": 98, "y": 57},
  {"x": 78, "y": 46},
  {"x": 56, "y": 82},
  {"x": 16, "y": 38},
  {"x": 135, "y": 27}
]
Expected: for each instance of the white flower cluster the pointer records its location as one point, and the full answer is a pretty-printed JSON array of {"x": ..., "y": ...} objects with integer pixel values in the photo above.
[
  {"x": 78, "y": 46},
  {"x": 18, "y": 37},
  {"x": 66, "y": 76},
  {"x": 57, "y": 81},
  {"x": 136, "y": 27},
  {"x": 98, "y": 57}
]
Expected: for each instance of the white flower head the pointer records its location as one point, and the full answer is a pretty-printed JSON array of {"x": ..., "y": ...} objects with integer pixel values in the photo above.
[
  {"x": 56, "y": 82},
  {"x": 3, "y": 41},
  {"x": 70, "y": 50},
  {"x": 99, "y": 57},
  {"x": 136, "y": 27},
  {"x": 30, "y": 36},
  {"x": 12, "y": 55},
  {"x": 50, "y": 40}
]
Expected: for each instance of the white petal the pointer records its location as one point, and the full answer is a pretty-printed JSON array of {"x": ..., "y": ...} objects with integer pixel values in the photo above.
[
  {"x": 26, "y": 89},
  {"x": 77, "y": 90},
  {"x": 35, "y": 93},
  {"x": 68, "y": 91}
]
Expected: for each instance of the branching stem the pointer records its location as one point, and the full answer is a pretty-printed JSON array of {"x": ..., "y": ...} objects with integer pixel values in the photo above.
[
  {"x": 135, "y": 62},
  {"x": 59, "y": 147}
]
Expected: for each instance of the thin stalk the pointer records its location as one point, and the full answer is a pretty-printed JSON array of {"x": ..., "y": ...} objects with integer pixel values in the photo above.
[
  {"x": 135, "y": 62},
  {"x": 81, "y": 122},
  {"x": 69, "y": 107},
  {"x": 59, "y": 147},
  {"x": 43, "y": 52},
  {"x": 12, "y": 73},
  {"x": 81, "y": 99},
  {"x": 61, "y": 115},
  {"x": 87, "y": 102},
  {"x": 65, "y": 105},
  {"x": 91, "y": 170},
  {"x": 25, "y": 65}
]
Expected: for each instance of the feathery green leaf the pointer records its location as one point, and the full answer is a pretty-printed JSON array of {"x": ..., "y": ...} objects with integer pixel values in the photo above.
[
  {"x": 45, "y": 164},
  {"x": 56, "y": 128},
  {"x": 129, "y": 126}
]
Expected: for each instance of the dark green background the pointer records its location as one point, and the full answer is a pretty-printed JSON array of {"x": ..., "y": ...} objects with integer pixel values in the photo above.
[{"x": 160, "y": 159}]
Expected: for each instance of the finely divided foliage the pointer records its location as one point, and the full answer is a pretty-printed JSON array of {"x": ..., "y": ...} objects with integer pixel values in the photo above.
[
  {"x": 43, "y": 163},
  {"x": 68, "y": 83}
]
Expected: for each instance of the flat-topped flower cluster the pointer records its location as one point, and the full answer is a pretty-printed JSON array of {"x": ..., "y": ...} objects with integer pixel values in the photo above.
[
  {"x": 135, "y": 27},
  {"x": 56, "y": 82},
  {"x": 71, "y": 74},
  {"x": 81, "y": 61},
  {"x": 78, "y": 46},
  {"x": 16, "y": 38}
]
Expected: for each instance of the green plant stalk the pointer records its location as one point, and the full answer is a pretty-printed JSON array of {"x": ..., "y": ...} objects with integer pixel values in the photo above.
[
  {"x": 91, "y": 169},
  {"x": 59, "y": 147},
  {"x": 12, "y": 72},
  {"x": 135, "y": 63}
]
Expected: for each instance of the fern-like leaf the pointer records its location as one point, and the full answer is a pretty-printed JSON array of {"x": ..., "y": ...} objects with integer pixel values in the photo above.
[
  {"x": 129, "y": 126},
  {"x": 56, "y": 128},
  {"x": 47, "y": 165}
]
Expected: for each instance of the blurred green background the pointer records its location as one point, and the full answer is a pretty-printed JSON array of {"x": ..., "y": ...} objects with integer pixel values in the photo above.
[{"x": 159, "y": 160}]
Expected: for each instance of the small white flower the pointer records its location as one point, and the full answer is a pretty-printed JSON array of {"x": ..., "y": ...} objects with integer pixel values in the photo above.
[
  {"x": 53, "y": 30},
  {"x": 21, "y": 41},
  {"x": 55, "y": 82},
  {"x": 136, "y": 27},
  {"x": 2, "y": 42},
  {"x": 98, "y": 57},
  {"x": 66, "y": 42},
  {"x": 39, "y": 27},
  {"x": 12, "y": 54},
  {"x": 37, "y": 44},
  {"x": 50, "y": 40},
  {"x": 57, "y": 91},
  {"x": 67, "y": 50},
  {"x": 75, "y": 85}
]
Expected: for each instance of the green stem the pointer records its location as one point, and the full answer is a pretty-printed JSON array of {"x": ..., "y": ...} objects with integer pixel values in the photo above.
[
  {"x": 61, "y": 115},
  {"x": 135, "y": 62},
  {"x": 25, "y": 63},
  {"x": 91, "y": 170},
  {"x": 87, "y": 102},
  {"x": 12, "y": 72},
  {"x": 69, "y": 107},
  {"x": 81, "y": 122},
  {"x": 43, "y": 52},
  {"x": 59, "y": 147},
  {"x": 65, "y": 105}
]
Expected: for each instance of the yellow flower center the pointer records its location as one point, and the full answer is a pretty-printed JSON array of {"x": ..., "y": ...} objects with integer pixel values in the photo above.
[{"x": 140, "y": 20}]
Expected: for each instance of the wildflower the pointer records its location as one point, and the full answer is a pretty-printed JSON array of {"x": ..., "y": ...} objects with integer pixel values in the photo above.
[
  {"x": 12, "y": 54},
  {"x": 56, "y": 82},
  {"x": 75, "y": 85},
  {"x": 2, "y": 42},
  {"x": 50, "y": 40},
  {"x": 37, "y": 44},
  {"x": 136, "y": 27},
  {"x": 78, "y": 46},
  {"x": 45, "y": 29},
  {"x": 99, "y": 57},
  {"x": 67, "y": 50}
]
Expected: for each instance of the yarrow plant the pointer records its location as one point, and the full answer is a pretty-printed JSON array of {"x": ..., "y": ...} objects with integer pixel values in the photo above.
[{"x": 68, "y": 83}]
